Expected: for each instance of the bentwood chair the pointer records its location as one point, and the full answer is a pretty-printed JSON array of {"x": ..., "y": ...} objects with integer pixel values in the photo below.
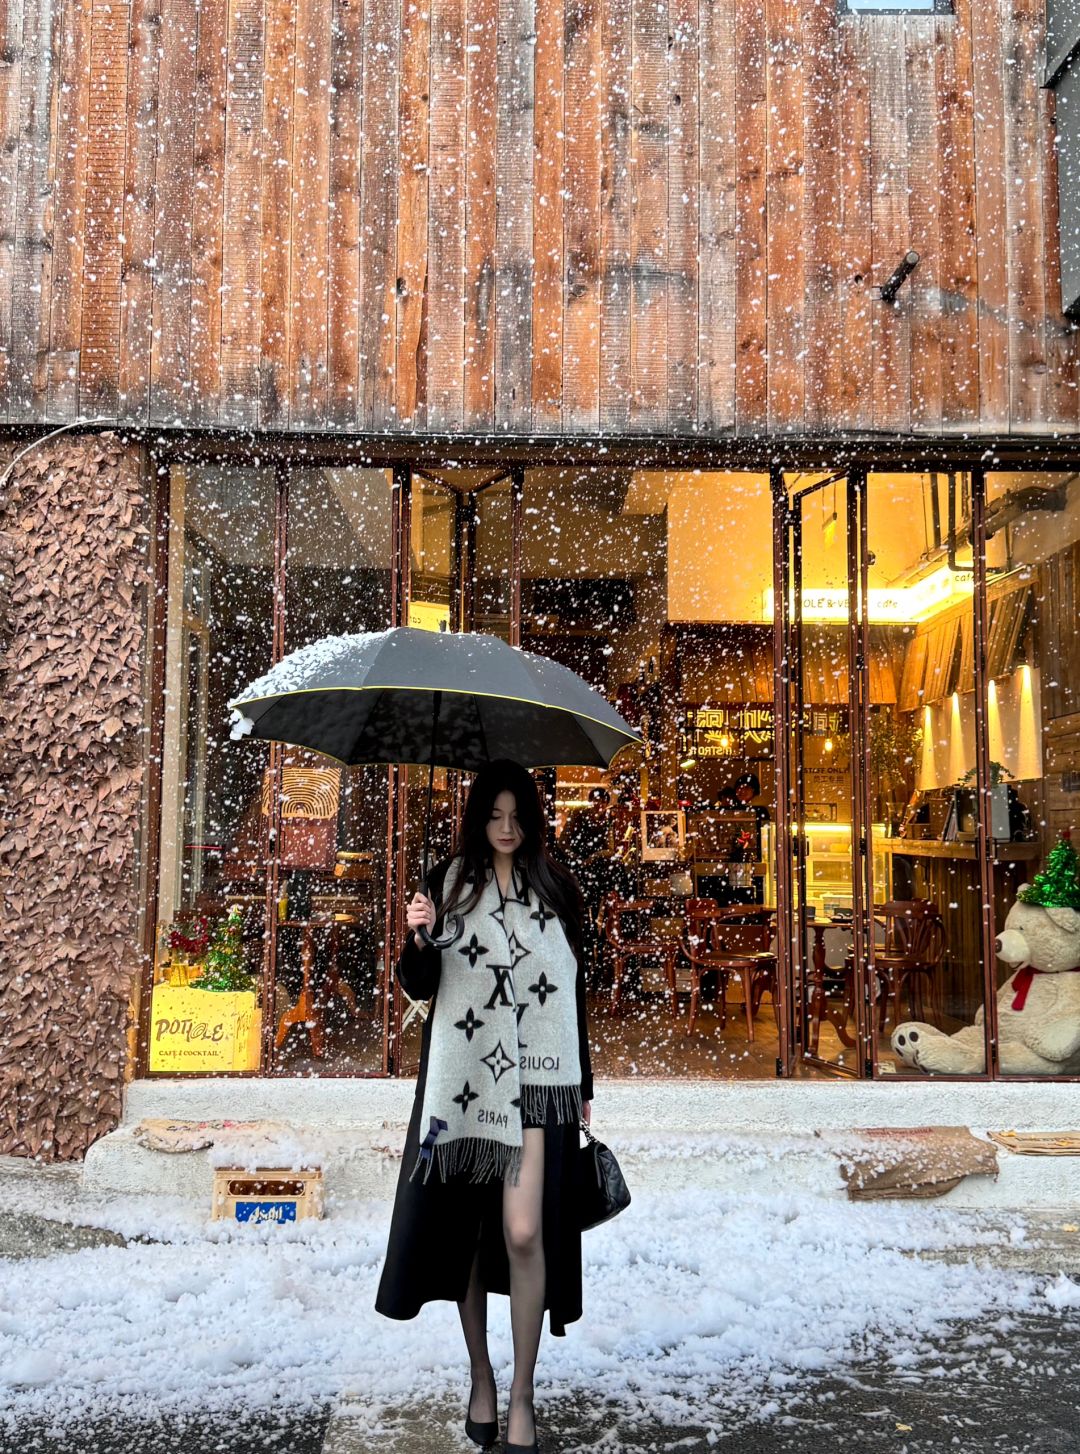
[
  {"x": 700, "y": 915},
  {"x": 911, "y": 955},
  {"x": 909, "y": 958},
  {"x": 627, "y": 935}
]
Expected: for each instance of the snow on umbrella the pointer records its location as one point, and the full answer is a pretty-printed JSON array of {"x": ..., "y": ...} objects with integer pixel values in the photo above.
[{"x": 434, "y": 699}]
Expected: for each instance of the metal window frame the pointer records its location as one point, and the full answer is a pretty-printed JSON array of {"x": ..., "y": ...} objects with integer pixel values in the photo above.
[
  {"x": 1063, "y": 63},
  {"x": 867, "y": 459},
  {"x": 939, "y": 7}
]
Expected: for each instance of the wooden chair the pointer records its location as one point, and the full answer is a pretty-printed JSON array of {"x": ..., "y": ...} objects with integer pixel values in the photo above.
[
  {"x": 626, "y": 936},
  {"x": 764, "y": 978},
  {"x": 700, "y": 915},
  {"x": 911, "y": 955},
  {"x": 728, "y": 941}
]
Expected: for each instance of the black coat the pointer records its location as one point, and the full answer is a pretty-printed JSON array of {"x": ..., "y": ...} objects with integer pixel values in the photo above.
[{"x": 435, "y": 1224}]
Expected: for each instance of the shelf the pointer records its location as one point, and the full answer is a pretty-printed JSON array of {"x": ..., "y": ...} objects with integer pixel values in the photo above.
[{"x": 933, "y": 848}]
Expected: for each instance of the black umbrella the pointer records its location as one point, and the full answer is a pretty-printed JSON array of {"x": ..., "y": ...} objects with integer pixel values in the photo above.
[{"x": 434, "y": 699}]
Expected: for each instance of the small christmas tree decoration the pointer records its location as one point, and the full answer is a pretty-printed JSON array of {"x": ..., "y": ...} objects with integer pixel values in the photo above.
[
  {"x": 1058, "y": 886},
  {"x": 224, "y": 968}
]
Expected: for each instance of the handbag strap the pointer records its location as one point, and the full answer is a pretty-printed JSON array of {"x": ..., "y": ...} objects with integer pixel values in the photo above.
[{"x": 588, "y": 1133}]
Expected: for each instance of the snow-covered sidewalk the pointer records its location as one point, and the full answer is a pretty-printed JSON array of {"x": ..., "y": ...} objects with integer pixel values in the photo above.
[{"x": 691, "y": 1298}]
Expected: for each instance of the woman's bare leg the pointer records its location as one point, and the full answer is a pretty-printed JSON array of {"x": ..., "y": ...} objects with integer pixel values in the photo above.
[
  {"x": 473, "y": 1311},
  {"x": 524, "y": 1233}
]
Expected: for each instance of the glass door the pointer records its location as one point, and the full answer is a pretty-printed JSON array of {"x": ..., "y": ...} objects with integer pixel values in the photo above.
[
  {"x": 821, "y": 564},
  {"x": 458, "y": 548}
]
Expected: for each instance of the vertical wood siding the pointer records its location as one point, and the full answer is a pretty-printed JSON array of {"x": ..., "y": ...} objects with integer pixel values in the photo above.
[{"x": 656, "y": 216}]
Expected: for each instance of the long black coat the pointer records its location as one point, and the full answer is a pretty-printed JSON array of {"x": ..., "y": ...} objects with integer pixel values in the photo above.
[{"x": 436, "y": 1224}]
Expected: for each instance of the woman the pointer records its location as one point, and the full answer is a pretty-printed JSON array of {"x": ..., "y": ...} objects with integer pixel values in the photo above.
[{"x": 485, "y": 1196}]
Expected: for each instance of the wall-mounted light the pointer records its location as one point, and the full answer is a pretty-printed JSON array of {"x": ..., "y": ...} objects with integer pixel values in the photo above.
[
  {"x": 828, "y": 744},
  {"x": 906, "y": 266}
]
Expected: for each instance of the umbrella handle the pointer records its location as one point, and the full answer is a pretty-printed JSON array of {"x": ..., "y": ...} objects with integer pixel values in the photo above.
[{"x": 455, "y": 927}]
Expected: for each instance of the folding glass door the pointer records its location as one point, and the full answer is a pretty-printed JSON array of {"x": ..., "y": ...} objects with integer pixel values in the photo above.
[{"x": 822, "y": 695}]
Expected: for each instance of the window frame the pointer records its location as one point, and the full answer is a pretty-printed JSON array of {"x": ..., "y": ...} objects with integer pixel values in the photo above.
[
  {"x": 1063, "y": 68},
  {"x": 896, "y": 7}
]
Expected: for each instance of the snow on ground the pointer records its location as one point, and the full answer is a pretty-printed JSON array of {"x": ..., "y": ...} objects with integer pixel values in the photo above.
[{"x": 690, "y": 1299}]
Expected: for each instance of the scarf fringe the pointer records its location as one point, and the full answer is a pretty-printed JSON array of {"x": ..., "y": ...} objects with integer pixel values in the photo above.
[
  {"x": 488, "y": 1160},
  {"x": 566, "y": 1099},
  {"x": 485, "y": 1160}
]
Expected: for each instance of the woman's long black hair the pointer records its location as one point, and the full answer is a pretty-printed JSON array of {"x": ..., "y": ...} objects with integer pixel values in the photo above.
[{"x": 556, "y": 885}]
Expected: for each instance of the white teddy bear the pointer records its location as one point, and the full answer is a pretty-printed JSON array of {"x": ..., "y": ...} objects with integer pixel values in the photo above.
[{"x": 1038, "y": 1008}]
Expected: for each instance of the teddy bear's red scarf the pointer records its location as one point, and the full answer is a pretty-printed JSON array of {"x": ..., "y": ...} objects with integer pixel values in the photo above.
[{"x": 1023, "y": 980}]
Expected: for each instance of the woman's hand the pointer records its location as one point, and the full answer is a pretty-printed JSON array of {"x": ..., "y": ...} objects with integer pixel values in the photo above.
[
  {"x": 586, "y": 1112},
  {"x": 420, "y": 910}
]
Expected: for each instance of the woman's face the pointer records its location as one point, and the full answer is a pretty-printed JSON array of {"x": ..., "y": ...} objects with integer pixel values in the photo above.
[{"x": 503, "y": 831}]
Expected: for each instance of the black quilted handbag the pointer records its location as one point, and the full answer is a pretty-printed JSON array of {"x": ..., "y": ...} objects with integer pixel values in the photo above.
[{"x": 602, "y": 1190}]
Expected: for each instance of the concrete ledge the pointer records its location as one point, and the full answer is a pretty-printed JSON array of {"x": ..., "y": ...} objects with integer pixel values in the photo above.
[
  {"x": 754, "y": 1136},
  {"x": 641, "y": 1103}
]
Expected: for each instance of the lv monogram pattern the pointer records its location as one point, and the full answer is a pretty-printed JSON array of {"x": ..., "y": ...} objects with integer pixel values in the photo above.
[{"x": 503, "y": 1035}]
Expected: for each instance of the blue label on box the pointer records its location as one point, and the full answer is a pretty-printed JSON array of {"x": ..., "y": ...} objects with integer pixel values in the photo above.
[{"x": 266, "y": 1211}]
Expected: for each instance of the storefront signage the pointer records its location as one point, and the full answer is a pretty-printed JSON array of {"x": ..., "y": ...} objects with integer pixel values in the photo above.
[
  {"x": 743, "y": 729},
  {"x": 727, "y": 731},
  {"x": 429, "y": 615},
  {"x": 825, "y": 721},
  {"x": 192, "y": 1029},
  {"x": 942, "y": 587}
]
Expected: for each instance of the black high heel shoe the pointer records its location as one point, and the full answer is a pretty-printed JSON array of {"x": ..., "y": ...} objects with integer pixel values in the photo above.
[
  {"x": 509, "y": 1448},
  {"x": 485, "y": 1434}
]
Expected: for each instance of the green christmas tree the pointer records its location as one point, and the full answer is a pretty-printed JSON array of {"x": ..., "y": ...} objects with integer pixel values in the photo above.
[
  {"x": 224, "y": 968},
  {"x": 1058, "y": 886}
]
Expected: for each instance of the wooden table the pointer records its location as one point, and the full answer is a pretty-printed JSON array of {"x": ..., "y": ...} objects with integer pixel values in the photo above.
[{"x": 309, "y": 1007}]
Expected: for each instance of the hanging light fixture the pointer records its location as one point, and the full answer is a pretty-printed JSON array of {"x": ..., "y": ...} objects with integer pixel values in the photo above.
[{"x": 828, "y": 527}]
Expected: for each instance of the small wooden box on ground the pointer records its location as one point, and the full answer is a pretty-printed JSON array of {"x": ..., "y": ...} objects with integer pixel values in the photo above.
[{"x": 269, "y": 1194}]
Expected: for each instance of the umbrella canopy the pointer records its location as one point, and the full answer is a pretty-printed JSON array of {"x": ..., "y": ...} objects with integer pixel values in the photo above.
[{"x": 436, "y": 699}]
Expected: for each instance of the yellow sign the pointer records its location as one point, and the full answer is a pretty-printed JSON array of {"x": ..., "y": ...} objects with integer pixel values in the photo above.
[
  {"x": 429, "y": 616},
  {"x": 194, "y": 1029}
]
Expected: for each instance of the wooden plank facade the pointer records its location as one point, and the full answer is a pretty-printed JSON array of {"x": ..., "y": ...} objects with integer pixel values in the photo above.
[{"x": 505, "y": 216}]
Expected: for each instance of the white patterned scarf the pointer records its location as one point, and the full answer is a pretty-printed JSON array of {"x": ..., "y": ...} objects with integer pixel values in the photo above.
[{"x": 504, "y": 1034}]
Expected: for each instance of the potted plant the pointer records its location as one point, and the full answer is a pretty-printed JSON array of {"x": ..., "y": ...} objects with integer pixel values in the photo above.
[
  {"x": 895, "y": 743},
  {"x": 224, "y": 968}
]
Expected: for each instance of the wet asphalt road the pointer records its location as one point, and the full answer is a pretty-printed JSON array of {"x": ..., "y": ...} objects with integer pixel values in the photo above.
[
  {"x": 1015, "y": 1391},
  {"x": 244, "y": 1433}
]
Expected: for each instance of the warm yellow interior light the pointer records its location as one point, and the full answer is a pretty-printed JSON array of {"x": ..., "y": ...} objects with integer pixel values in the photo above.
[{"x": 917, "y": 602}]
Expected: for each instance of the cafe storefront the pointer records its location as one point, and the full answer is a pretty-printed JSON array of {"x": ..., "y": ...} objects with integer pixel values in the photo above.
[{"x": 859, "y": 693}]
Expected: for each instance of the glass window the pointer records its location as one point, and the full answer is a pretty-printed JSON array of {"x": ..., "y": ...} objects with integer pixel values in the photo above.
[
  {"x": 927, "y": 956},
  {"x": 1063, "y": 78},
  {"x": 329, "y": 974},
  {"x": 655, "y": 587},
  {"x": 930, "y": 7},
  {"x": 493, "y": 585},
  {"x": 219, "y": 635},
  {"x": 209, "y": 1006},
  {"x": 1033, "y": 720}
]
